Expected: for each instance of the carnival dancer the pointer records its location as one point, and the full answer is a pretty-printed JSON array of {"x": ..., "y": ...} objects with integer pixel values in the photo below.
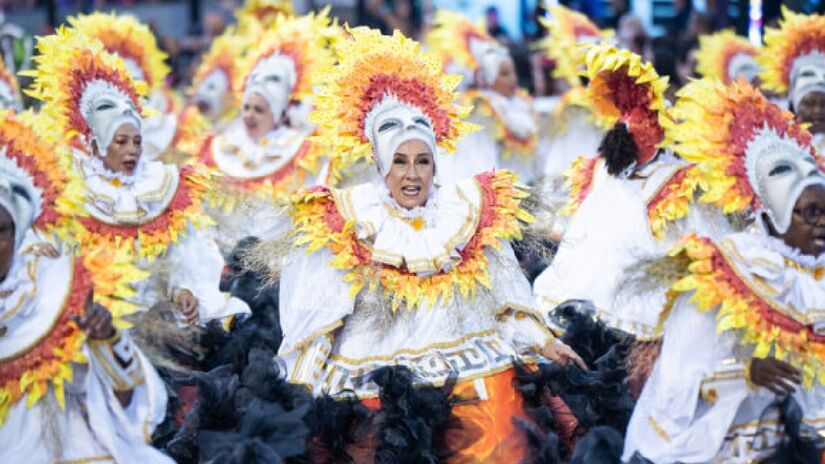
[
  {"x": 122, "y": 200},
  {"x": 261, "y": 155},
  {"x": 793, "y": 64},
  {"x": 726, "y": 56},
  {"x": 509, "y": 139},
  {"x": 573, "y": 129},
  {"x": 749, "y": 301},
  {"x": 73, "y": 387},
  {"x": 134, "y": 42},
  {"x": 217, "y": 76},
  {"x": 404, "y": 271}
]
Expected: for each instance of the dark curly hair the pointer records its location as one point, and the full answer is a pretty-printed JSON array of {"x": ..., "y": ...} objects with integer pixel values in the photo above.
[{"x": 618, "y": 149}]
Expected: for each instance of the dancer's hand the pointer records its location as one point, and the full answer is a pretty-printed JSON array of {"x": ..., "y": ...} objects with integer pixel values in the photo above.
[
  {"x": 775, "y": 375},
  {"x": 188, "y": 304},
  {"x": 96, "y": 320},
  {"x": 561, "y": 354}
]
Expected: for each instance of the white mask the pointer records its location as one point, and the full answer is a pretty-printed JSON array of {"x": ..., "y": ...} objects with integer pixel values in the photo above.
[
  {"x": 134, "y": 69},
  {"x": 18, "y": 196},
  {"x": 743, "y": 65},
  {"x": 7, "y": 98},
  {"x": 272, "y": 78},
  {"x": 105, "y": 108},
  {"x": 779, "y": 169},
  {"x": 212, "y": 92},
  {"x": 391, "y": 123},
  {"x": 489, "y": 56},
  {"x": 807, "y": 75}
]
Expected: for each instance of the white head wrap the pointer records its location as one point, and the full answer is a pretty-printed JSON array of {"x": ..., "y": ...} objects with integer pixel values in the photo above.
[
  {"x": 273, "y": 78},
  {"x": 489, "y": 55},
  {"x": 807, "y": 75},
  {"x": 18, "y": 196},
  {"x": 744, "y": 65},
  {"x": 779, "y": 169},
  {"x": 105, "y": 108},
  {"x": 391, "y": 123},
  {"x": 212, "y": 91}
]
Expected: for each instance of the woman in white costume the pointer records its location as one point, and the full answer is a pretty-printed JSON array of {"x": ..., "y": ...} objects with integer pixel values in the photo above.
[
  {"x": 262, "y": 154},
  {"x": 623, "y": 204},
  {"x": 793, "y": 64},
  {"x": 573, "y": 129},
  {"x": 743, "y": 332},
  {"x": 509, "y": 139},
  {"x": 403, "y": 271},
  {"x": 73, "y": 387},
  {"x": 135, "y": 43},
  {"x": 117, "y": 199}
]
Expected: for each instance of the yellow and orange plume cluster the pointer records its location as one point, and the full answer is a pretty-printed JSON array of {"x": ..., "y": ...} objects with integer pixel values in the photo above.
[
  {"x": 450, "y": 38},
  {"x": 625, "y": 88},
  {"x": 67, "y": 62},
  {"x": 308, "y": 40},
  {"x": 716, "y": 123},
  {"x": 717, "y": 50},
  {"x": 797, "y": 35},
  {"x": 128, "y": 38},
  {"x": 567, "y": 29},
  {"x": 373, "y": 65},
  {"x": 256, "y": 15}
]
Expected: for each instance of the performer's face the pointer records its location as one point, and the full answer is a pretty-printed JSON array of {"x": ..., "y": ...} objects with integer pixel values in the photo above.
[
  {"x": 807, "y": 229},
  {"x": 257, "y": 116},
  {"x": 812, "y": 110},
  {"x": 507, "y": 81},
  {"x": 124, "y": 152},
  {"x": 411, "y": 174},
  {"x": 6, "y": 242}
]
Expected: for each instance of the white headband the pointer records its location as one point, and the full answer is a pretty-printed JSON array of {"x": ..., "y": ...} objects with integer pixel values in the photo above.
[
  {"x": 390, "y": 123},
  {"x": 18, "y": 196},
  {"x": 489, "y": 56},
  {"x": 103, "y": 123},
  {"x": 273, "y": 78},
  {"x": 743, "y": 64}
]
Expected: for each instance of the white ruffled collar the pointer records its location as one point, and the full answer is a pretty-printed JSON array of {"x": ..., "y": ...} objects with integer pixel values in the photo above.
[
  {"x": 238, "y": 155},
  {"x": 118, "y": 199},
  {"x": 793, "y": 254},
  {"x": 423, "y": 240}
]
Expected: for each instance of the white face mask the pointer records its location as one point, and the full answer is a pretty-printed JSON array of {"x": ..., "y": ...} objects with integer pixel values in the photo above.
[
  {"x": 212, "y": 91},
  {"x": 489, "y": 56},
  {"x": 272, "y": 78},
  {"x": 18, "y": 196},
  {"x": 744, "y": 66},
  {"x": 779, "y": 170},
  {"x": 807, "y": 75},
  {"x": 105, "y": 109},
  {"x": 134, "y": 69},
  {"x": 390, "y": 124}
]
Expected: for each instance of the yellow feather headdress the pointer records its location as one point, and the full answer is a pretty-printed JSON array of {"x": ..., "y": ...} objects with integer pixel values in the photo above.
[
  {"x": 226, "y": 55},
  {"x": 261, "y": 14},
  {"x": 623, "y": 88},
  {"x": 716, "y": 124},
  {"x": 716, "y": 52},
  {"x": 798, "y": 35},
  {"x": 450, "y": 38},
  {"x": 372, "y": 66},
  {"x": 128, "y": 38},
  {"x": 67, "y": 62},
  {"x": 567, "y": 29},
  {"x": 307, "y": 40}
]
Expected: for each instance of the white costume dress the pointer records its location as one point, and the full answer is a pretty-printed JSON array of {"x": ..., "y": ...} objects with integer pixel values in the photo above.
[
  {"x": 697, "y": 406},
  {"x": 91, "y": 425}
]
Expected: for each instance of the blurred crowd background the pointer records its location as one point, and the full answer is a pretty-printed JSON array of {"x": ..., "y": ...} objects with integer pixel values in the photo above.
[{"x": 664, "y": 31}]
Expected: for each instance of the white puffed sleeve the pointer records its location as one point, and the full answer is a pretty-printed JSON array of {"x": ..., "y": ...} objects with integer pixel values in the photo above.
[
  {"x": 519, "y": 322},
  {"x": 314, "y": 301},
  {"x": 693, "y": 394},
  {"x": 124, "y": 431},
  {"x": 196, "y": 264}
]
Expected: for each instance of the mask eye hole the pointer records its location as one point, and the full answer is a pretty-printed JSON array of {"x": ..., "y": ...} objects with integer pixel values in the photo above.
[
  {"x": 779, "y": 170},
  {"x": 422, "y": 121},
  {"x": 276, "y": 79},
  {"x": 387, "y": 126},
  {"x": 105, "y": 106}
]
